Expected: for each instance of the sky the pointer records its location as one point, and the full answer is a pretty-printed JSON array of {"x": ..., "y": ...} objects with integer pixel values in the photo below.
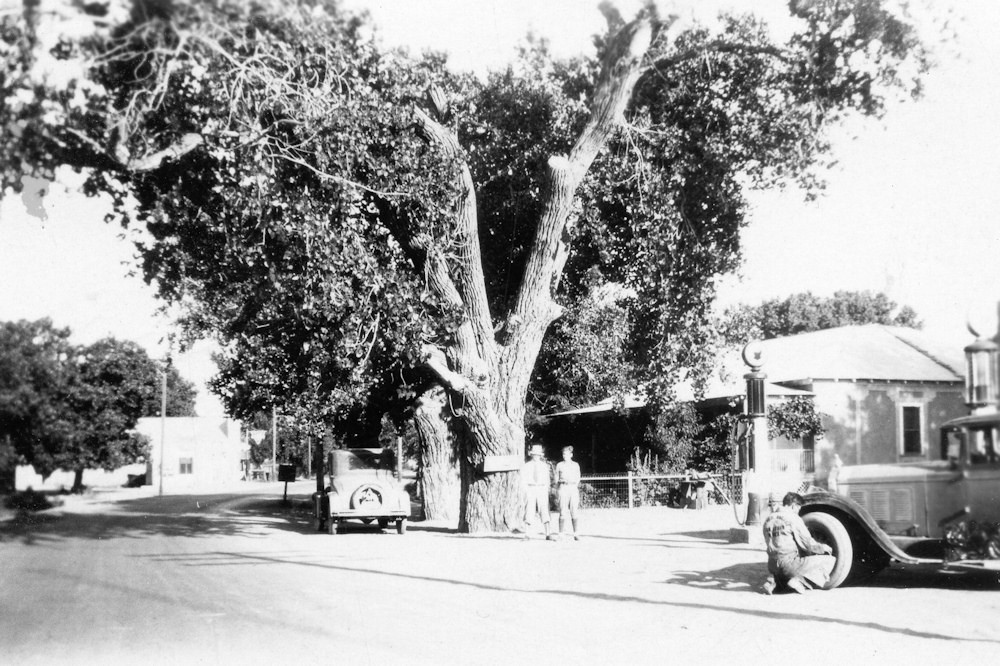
[{"x": 911, "y": 208}]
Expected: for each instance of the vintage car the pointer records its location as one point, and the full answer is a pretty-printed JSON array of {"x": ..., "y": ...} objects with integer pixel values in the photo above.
[
  {"x": 941, "y": 511},
  {"x": 363, "y": 486}
]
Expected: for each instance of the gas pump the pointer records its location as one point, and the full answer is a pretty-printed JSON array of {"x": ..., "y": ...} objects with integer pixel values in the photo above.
[{"x": 752, "y": 454}]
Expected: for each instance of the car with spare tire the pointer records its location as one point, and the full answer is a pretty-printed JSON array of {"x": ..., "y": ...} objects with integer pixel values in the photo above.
[{"x": 364, "y": 486}]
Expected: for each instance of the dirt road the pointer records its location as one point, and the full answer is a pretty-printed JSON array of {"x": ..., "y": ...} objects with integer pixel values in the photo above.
[{"x": 241, "y": 578}]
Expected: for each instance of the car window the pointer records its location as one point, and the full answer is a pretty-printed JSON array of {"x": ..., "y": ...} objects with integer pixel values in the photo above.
[
  {"x": 983, "y": 446},
  {"x": 361, "y": 459}
]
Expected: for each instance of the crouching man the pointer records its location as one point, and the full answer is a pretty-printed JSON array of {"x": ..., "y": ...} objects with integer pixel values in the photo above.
[{"x": 794, "y": 559}]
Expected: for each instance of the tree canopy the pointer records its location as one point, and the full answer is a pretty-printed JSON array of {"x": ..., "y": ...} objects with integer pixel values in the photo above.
[
  {"x": 73, "y": 407},
  {"x": 805, "y": 312},
  {"x": 354, "y": 224}
]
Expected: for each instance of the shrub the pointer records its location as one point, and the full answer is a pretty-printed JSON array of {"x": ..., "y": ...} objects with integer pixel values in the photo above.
[{"x": 28, "y": 500}]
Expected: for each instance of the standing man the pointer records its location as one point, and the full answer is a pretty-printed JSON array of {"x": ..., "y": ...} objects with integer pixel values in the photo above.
[
  {"x": 536, "y": 480},
  {"x": 794, "y": 559},
  {"x": 568, "y": 478}
]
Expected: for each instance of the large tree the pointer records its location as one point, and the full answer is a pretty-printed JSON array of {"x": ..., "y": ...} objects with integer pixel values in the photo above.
[
  {"x": 73, "y": 407},
  {"x": 352, "y": 223},
  {"x": 35, "y": 371}
]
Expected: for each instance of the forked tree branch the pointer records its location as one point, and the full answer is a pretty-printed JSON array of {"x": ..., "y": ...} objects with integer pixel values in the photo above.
[{"x": 468, "y": 277}]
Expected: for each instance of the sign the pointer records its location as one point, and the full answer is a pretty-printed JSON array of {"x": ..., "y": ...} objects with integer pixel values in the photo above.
[
  {"x": 502, "y": 463},
  {"x": 286, "y": 473}
]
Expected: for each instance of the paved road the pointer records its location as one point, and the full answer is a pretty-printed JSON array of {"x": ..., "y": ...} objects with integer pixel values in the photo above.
[{"x": 242, "y": 578}]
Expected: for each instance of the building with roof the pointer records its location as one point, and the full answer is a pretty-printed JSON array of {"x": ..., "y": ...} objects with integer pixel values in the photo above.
[
  {"x": 883, "y": 391},
  {"x": 193, "y": 453},
  {"x": 604, "y": 435},
  {"x": 201, "y": 452}
]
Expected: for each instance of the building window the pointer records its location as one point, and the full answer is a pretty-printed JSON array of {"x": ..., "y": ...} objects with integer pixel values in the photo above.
[
  {"x": 187, "y": 465},
  {"x": 911, "y": 432}
]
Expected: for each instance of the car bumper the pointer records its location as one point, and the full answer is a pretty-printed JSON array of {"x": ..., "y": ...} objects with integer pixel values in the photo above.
[{"x": 354, "y": 513}]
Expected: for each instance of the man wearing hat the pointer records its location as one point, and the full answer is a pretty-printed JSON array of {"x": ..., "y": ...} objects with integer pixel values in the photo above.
[{"x": 536, "y": 480}]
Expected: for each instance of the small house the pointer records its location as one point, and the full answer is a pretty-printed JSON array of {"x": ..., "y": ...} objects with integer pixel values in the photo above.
[
  {"x": 883, "y": 391},
  {"x": 193, "y": 452}
]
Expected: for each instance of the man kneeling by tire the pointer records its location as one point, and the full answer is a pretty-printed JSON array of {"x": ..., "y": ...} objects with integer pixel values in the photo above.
[{"x": 794, "y": 560}]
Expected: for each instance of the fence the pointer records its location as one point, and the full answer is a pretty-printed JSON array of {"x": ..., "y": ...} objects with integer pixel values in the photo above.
[{"x": 628, "y": 490}]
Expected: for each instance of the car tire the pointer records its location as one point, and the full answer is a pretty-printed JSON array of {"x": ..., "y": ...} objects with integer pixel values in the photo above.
[
  {"x": 383, "y": 523},
  {"x": 366, "y": 492},
  {"x": 824, "y": 528},
  {"x": 401, "y": 525},
  {"x": 331, "y": 526}
]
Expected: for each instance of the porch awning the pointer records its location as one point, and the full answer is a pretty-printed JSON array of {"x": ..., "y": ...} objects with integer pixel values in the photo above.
[{"x": 717, "y": 395}]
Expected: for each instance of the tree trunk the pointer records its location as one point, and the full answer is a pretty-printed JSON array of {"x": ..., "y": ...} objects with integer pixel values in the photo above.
[
  {"x": 77, "y": 481},
  {"x": 435, "y": 428},
  {"x": 8, "y": 466}
]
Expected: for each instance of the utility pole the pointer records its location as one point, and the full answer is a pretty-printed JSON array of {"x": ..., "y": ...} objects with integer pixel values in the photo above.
[
  {"x": 163, "y": 422},
  {"x": 274, "y": 442}
]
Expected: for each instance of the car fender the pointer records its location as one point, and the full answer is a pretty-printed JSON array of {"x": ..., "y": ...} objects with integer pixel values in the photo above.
[{"x": 847, "y": 510}]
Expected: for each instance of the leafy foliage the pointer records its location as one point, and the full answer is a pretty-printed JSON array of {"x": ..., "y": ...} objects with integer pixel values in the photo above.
[
  {"x": 673, "y": 435},
  {"x": 587, "y": 356},
  {"x": 302, "y": 209},
  {"x": 34, "y": 383},
  {"x": 684, "y": 439},
  {"x": 64, "y": 406},
  {"x": 805, "y": 312},
  {"x": 795, "y": 418}
]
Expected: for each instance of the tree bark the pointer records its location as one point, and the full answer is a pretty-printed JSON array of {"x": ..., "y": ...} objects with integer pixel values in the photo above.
[{"x": 438, "y": 455}]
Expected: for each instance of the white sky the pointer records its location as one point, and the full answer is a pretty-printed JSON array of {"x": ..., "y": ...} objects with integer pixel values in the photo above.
[{"x": 910, "y": 210}]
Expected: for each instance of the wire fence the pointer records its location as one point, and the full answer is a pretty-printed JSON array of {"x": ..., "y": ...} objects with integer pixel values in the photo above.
[{"x": 628, "y": 490}]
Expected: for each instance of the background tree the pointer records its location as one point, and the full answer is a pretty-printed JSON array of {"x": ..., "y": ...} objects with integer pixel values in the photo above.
[
  {"x": 805, "y": 312},
  {"x": 64, "y": 406},
  {"x": 587, "y": 356},
  {"x": 309, "y": 206},
  {"x": 35, "y": 374},
  {"x": 106, "y": 395}
]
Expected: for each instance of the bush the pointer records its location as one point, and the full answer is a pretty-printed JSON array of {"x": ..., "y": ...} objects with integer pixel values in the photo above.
[{"x": 28, "y": 500}]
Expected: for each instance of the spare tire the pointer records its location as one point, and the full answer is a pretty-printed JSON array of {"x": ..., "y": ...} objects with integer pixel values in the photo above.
[
  {"x": 824, "y": 528},
  {"x": 367, "y": 497}
]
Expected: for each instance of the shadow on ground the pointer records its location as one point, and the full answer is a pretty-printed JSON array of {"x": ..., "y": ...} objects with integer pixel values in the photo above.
[
  {"x": 934, "y": 577},
  {"x": 172, "y": 515},
  {"x": 729, "y": 576},
  {"x": 700, "y": 539},
  {"x": 190, "y": 516},
  {"x": 733, "y": 578},
  {"x": 749, "y": 577}
]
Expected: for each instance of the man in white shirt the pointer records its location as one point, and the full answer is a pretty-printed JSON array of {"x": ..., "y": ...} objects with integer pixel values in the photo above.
[
  {"x": 568, "y": 478},
  {"x": 536, "y": 480}
]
